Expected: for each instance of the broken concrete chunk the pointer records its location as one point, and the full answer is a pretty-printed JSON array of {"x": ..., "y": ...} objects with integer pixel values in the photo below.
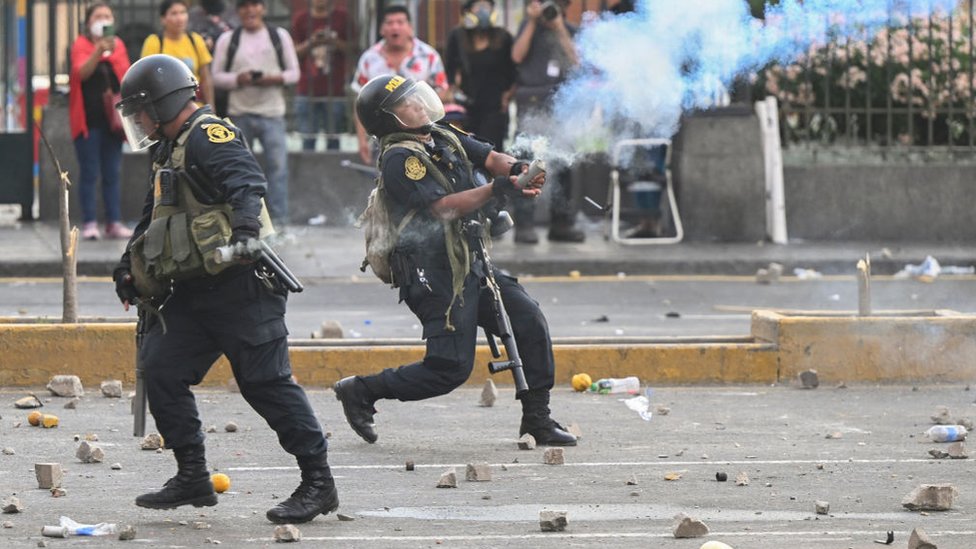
[
  {"x": 152, "y": 441},
  {"x": 58, "y": 492},
  {"x": 72, "y": 404},
  {"x": 11, "y": 505},
  {"x": 7, "y": 524},
  {"x": 200, "y": 525},
  {"x": 112, "y": 388},
  {"x": 285, "y": 533},
  {"x": 477, "y": 472},
  {"x": 957, "y": 450},
  {"x": 66, "y": 386},
  {"x": 526, "y": 442},
  {"x": 211, "y": 428},
  {"x": 742, "y": 479},
  {"x": 553, "y": 521},
  {"x": 938, "y": 453},
  {"x": 553, "y": 456},
  {"x": 489, "y": 394},
  {"x": 575, "y": 430},
  {"x": 28, "y": 402},
  {"x": 770, "y": 274},
  {"x": 941, "y": 416},
  {"x": 821, "y": 507},
  {"x": 965, "y": 422},
  {"x": 920, "y": 540},
  {"x": 330, "y": 329},
  {"x": 116, "y": 466},
  {"x": 448, "y": 479},
  {"x": 49, "y": 475},
  {"x": 409, "y": 465},
  {"x": 345, "y": 518},
  {"x": 809, "y": 379},
  {"x": 8, "y": 451},
  {"x": 127, "y": 532},
  {"x": 930, "y": 497},
  {"x": 89, "y": 453},
  {"x": 632, "y": 481},
  {"x": 231, "y": 427},
  {"x": 835, "y": 435},
  {"x": 688, "y": 527}
]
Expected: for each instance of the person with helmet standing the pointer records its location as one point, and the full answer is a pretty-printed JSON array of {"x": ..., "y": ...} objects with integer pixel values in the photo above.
[
  {"x": 426, "y": 171},
  {"x": 207, "y": 191}
]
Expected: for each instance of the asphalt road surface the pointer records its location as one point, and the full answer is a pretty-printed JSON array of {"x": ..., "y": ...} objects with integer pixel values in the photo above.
[
  {"x": 586, "y": 306},
  {"x": 612, "y": 485}
]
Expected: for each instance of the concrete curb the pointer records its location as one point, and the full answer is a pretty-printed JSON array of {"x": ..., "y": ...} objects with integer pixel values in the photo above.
[{"x": 931, "y": 346}]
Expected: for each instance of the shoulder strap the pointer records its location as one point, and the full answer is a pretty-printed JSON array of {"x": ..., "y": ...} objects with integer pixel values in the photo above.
[
  {"x": 178, "y": 155},
  {"x": 159, "y": 36},
  {"x": 276, "y": 42},
  {"x": 235, "y": 41},
  {"x": 193, "y": 44}
]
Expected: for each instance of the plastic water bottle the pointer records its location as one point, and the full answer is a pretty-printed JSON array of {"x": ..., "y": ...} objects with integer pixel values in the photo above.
[
  {"x": 946, "y": 433},
  {"x": 613, "y": 385}
]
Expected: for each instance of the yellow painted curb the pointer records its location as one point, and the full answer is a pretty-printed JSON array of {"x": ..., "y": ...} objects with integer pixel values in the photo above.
[{"x": 935, "y": 346}]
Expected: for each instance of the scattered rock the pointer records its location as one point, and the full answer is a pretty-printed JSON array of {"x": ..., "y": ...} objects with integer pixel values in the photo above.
[
  {"x": 409, "y": 465},
  {"x": 212, "y": 429},
  {"x": 834, "y": 435},
  {"x": 841, "y": 385},
  {"x": 127, "y": 532},
  {"x": 688, "y": 527},
  {"x": 330, "y": 329},
  {"x": 821, "y": 507},
  {"x": 920, "y": 540},
  {"x": 42, "y": 543},
  {"x": 553, "y": 456},
  {"x": 957, "y": 450},
  {"x": 200, "y": 525},
  {"x": 489, "y": 394},
  {"x": 938, "y": 453},
  {"x": 91, "y": 437},
  {"x": 49, "y": 475},
  {"x": 673, "y": 475},
  {"x": 742, "y": 479},
  {"x": 575, "y": 430},
  {"x": 8, "y": 451},
  {"x": 28, "y": 402},
  {"x": 284, "y": 533},
  {"x": 965, "y": 422},
  {"x": 72, "y": 404},
  {"x": 930, "y": 497},
  {"x": 770, "y": 274},
  {"x": 448, "y": 479},
  {"x": 8, "y": 524},
  {"x": 721, "y": 477},
  {"x": 553, "y": 521},
  {"x": 941, "y": 416},
  {"x": 89, "y": 453},
  {"x": 58, "y": 492},
  {"x": 809, "y": 379},
  {"x": 632, "y": 481},
  {"x": 66, "y": 386},
  {"x": 231, "y": 427},
  {"x": 11, "y": 505},
  {"x": 477, "y": 472},
  {"x": 116, "y": 466},
  {"x": 152, "y": 441},
  {"x": 345, "y": 518},
  {"x": 526, "y": 442},
  {"x": 662, "y": 410},
  {"x": 112, "y": 388}
]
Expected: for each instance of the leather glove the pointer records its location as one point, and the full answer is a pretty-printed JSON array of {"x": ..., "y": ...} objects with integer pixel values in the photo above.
[
  {"x": 517, "y": 168},
  {"x": 125, "y": 286},
  {"x": 243, "y": 233},
  {"x": 504, "y": 186}
]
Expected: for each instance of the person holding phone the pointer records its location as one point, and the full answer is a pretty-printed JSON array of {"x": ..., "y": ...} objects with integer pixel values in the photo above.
[
  {"x": 187, "y": 46},
  {"x": 98, "y": 63}
]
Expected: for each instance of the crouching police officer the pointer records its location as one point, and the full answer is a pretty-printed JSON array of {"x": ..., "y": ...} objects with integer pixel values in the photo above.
[
  {"x": 426, "y": 172},
  {"x": 207, "y": 191}
]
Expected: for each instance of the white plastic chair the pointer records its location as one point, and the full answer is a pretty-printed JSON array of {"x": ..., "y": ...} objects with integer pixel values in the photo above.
[{"x": 615, "y": 194}]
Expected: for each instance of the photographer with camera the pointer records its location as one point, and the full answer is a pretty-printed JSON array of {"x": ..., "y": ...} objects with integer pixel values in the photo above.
[
  {"x": 545, "y": 54},
  {"x": 255, "y": 62}
]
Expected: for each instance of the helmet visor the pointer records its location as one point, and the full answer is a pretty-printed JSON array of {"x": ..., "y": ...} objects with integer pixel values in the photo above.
[
  {"x": 417, "y": 108},
  {"x": 139, "y": 120}
]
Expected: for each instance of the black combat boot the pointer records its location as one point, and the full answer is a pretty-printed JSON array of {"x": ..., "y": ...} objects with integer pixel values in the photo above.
[
  {"x": 190, "y": 486},
  {"x": 316, "y": 494},
  {"x": 536, "y": 421},
  {"x": 357, "y": 403}
]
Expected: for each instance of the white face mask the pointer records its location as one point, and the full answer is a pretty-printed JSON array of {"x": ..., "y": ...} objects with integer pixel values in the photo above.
[{"x": 97, "y": 28}]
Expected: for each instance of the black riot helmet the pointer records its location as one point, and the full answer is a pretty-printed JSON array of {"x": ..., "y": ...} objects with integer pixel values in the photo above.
[
  {"x": 155, "y": 88},
  {"x": 391, "y": 103}
]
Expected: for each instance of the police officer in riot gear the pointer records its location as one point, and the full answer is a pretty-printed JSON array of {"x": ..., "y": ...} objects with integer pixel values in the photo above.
[
  {"x": 207, "y": 191},
  {"x": 426, "y": 171}
]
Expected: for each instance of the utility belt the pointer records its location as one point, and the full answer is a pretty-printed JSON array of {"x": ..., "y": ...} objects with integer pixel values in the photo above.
[{"x": 212, "y": 282}]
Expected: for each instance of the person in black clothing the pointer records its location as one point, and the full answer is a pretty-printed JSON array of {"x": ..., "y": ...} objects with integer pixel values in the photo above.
[
  {"x": 426, "y": 173},
  {"x": 479, "y": 62},
  {"x": 207, "y": 191}
]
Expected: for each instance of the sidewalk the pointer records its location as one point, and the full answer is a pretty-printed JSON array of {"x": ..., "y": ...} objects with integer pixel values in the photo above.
[{"x": 33, "y": 249}]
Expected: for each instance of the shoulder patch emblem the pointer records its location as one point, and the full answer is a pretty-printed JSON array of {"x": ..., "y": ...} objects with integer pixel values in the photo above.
[
  {"x": 459, "y": 130},
  {"x": 218, "y": 133},
  {"x": 414, "y": 168}
]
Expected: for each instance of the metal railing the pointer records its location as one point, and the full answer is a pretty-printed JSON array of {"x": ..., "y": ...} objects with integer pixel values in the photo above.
[{"x": 908, "y": 86}]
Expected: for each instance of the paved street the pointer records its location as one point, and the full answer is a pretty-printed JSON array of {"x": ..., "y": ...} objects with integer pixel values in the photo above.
[{"x": 774, "y": 434}]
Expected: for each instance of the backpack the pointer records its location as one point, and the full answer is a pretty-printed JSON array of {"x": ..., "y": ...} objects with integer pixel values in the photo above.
[
  {"x": 235, "y": 42},
  {"x": 193, "y": 36},
  {"x": 381, "y": 234}
]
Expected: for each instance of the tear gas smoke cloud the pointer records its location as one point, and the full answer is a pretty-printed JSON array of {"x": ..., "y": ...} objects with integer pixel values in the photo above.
[{"x": 642, "y": 70}]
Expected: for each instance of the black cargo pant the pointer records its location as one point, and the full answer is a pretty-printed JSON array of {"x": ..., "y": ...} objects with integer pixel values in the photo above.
[
  {"x": 450, "y": 354},
  {"x": 233, "y": 314}
]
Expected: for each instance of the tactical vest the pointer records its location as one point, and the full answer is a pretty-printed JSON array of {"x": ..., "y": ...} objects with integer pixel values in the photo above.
[{"x": 184, "y": 232}]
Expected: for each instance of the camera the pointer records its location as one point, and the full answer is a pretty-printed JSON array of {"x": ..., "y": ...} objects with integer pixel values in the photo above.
[{"x": 550, "y": 10}]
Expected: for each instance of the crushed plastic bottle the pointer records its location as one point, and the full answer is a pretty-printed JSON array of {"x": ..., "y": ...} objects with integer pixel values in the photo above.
[
  {"x": 100, "y": 529},
  {"x": 946, "y": 433},
  {"x": 613, "y": 385}
]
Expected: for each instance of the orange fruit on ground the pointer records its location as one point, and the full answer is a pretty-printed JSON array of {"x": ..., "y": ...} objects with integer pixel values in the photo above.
[
  {"x": 582, "y": 382},
  {"x": 34, "y": 418},
  {"x": 48, "y": 421},
  {"x": 221, "y": 482}
]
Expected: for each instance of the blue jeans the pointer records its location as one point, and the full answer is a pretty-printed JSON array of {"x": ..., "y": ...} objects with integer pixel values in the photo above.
[
  {"x": 99, "y": 155},
  {"x": 314, "y": 114},
  {"x": 271, "y": 133}
]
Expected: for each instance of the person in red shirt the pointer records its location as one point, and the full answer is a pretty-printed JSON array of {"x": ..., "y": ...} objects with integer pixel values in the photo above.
[
  {"x": 98, "y": 62},
  {"x": 321, "y": 35}
]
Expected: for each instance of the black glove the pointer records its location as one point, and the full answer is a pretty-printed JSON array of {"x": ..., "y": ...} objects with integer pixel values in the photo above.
[
  {"x": 243, "y": 233},
  {"x": 517, "y": 168},
  {"x": 125, "y": 286},
  {"x": 504, "y": 186}
]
